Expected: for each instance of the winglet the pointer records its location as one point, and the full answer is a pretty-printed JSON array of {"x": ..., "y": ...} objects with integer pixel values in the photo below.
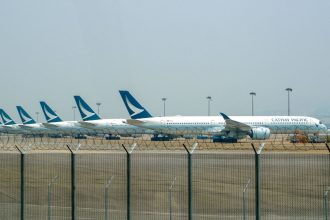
[
  {"x": 85, "y": 110},
  {"x": 134, "y": 108},
  {"x": 224, "y": 116}
]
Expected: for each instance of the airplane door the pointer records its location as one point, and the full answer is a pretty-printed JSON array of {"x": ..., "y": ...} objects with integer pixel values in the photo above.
[{"x": 163, "y": 124}]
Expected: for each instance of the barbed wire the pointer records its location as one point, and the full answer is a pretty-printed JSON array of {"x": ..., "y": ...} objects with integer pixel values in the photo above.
[{"x": 301, "y": 140}]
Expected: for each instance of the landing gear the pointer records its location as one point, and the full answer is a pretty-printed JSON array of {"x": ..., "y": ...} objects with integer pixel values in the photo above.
[
  {"x": 159, "y": 137},
  {"x": 55, "y": 136},
  {"x": 112, "y": 137},
  {"x": 80, "y": 136},
  {"x": 223, "y": 139}
]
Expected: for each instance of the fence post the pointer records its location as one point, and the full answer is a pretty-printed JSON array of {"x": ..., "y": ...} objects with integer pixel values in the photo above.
[
  {"x": 22, "y": 181},
  {"x": 190, "y": 178},
  {"x": 22, "y": 171},
  {"x": 73, "y": 181},
  {"x": 325, "y": 196},
  {"x": 257, "y": 178},
  {"x": 128, "y": 173}
]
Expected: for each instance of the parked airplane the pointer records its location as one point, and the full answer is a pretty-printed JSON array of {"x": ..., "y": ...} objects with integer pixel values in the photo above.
[
  {"x": 136, "y": 111},
  {"x": 221, "y": 127},
  {"x": 54, "y": 122},
  {"x": 9, "y": 125},
  {"x": 30, "y": 124},
  {"x": 111, "y": 127}
]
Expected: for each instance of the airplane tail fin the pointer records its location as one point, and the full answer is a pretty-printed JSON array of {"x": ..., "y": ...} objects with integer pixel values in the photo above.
[
  {"x": 85, "y": 110},
  {"x": 49, "y": 113},
  {"x": 25, "y": 117},
  {"x": 134, "y": 108},
  {"x": 7, "y": 120}
]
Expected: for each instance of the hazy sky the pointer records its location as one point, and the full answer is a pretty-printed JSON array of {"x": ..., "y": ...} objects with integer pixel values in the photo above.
[{"x": 184, "y": 50}]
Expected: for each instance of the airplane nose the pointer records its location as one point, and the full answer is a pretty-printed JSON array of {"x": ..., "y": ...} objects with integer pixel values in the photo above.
[{"x": 323, "y": 127}]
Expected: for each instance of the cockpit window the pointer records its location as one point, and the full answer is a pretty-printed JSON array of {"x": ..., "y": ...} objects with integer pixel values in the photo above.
[{"x": 321, "y": 122}]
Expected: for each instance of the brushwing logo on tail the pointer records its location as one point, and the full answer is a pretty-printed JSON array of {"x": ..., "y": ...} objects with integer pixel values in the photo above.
[
  {"x": 133, "y": 108},
  {"x": 50, "y": 117},
  {"x": 6, "y": 119},
  {"x": 25, "y": 118},
  {"x": 87, "y": 113}
]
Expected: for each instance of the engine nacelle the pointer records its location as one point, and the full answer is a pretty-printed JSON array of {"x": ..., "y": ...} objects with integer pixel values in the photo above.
[{"x": 260, "y": 133}]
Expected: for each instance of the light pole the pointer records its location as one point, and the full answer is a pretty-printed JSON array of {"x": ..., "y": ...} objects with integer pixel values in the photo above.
[
  {"x": 98, "y": 107},
  {"x": 50, "y": 196},
  {"x": 252, "y": 94},
  {"x": 209, "y": 99},
  {"x": 74, "y": 112},
  {"x": 37, "y": 113},
  {"x": 164, "y": 105},
  {"x": 289, "y": 90}
]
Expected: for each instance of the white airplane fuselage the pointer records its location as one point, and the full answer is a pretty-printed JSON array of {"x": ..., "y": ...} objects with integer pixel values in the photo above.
[
  {"x": 36, "y": 128},
  {"x": 215, "y": 125},
  {"x": 68, "y": 127},
  {"x": 13, "y": 129},
  {"x": 115, "y": 127}
]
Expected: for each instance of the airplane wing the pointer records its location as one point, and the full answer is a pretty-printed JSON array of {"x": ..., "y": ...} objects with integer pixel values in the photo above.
[
  {"x": 25, "y": 127},
  {"x": 135, "y": 122},
  {"x": 86, "y": 124},
  {"x": 215, "y": 130},
  {"x": 235, "y": 125},
  {"x": 7, "y": 127},
  {"x": 49, "y": 125}
]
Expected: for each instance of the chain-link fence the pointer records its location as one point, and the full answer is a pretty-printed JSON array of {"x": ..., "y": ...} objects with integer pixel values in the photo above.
[{"x": 181, "y": 179}]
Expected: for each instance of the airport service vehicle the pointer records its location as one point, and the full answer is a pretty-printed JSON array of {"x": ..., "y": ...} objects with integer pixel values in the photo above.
[
  {"x": 54, "y": 122},
  {"x": 222, "y": 128},
  {"x": 110, "y": 127}
]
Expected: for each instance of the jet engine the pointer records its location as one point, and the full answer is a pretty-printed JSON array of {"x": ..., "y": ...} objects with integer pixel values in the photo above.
[{"x": 260, "y": 133}]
